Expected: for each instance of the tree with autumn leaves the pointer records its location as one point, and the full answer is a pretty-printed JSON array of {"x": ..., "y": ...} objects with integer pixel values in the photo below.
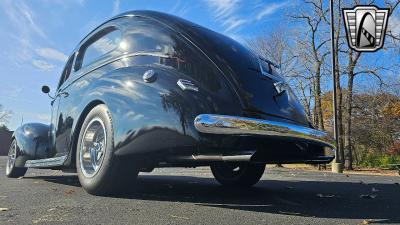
[
  {"x": 367, "y": 120},
  {"x": 375, "y": 125}
]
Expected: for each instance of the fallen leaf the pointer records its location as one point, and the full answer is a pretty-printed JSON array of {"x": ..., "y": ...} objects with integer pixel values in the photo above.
[
  {"x": 36, "y": 182},
  {"x": 4, "y": 209},
  {"x": 365, "y": 222},
  {"x": 325, "y": 196},
  {"x": 368, "y": 196},
  {"x": 347, "y": 175},
  {"x": 19, "y": 178},
  {"x": 52, "y": 209},
  {"x": 68, "y": 192}
]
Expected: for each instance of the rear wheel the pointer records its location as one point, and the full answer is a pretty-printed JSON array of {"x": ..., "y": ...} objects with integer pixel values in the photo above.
[
  {"x": 100, "y": 172},
  {"x": 11, "y": 170},
  {"x": 237, "y": 174}
]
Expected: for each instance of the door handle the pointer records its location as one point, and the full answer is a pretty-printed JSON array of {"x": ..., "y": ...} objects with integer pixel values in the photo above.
[{"x": 64, "y": 94}]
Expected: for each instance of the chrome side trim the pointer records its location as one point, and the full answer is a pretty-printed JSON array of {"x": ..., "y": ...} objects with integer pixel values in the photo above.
[
  {"x": 265, "y": 73},
  {"x": 187, "y": 85},
  {"x": 50, "y": 162},
  {"x": 280, "y": 87},
  {"x": 239, "y": 157},
  {"x": 234, "y": 125}
]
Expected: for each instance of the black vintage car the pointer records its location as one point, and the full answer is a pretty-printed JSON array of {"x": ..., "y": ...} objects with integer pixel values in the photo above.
[{"x": 146, "y": 89}]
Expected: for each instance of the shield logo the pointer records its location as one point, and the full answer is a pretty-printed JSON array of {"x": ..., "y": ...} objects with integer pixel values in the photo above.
[{"x": 365, "y": 27}]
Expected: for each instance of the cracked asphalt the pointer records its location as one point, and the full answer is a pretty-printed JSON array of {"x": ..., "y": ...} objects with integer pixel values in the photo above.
[{"x": 192, "y": 196}]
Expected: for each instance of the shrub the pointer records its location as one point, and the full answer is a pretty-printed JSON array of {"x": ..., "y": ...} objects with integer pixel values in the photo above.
[
  {"x": 394, "y": 149},
  {"x": 375, "y": 160}
]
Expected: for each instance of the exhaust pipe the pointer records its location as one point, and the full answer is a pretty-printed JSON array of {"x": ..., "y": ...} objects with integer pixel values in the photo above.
[{"x": 240, "y": 157}]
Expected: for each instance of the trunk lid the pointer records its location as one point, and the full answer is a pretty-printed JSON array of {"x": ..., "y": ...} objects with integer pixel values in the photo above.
[{"x": 263, "y": 93}]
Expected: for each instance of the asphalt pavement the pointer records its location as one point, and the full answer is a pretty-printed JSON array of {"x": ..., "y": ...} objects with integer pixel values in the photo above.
[{"x": 192, "y": 196}]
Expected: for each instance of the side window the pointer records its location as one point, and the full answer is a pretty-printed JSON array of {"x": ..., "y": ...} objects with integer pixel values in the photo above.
[
  {"x": 67, "y": 71},
  {"x": 97, "y": 46},
  {"x": 150, "y": 36},
  {"x": 188, "y": 60},
  {"x": 145, "y": 35}
]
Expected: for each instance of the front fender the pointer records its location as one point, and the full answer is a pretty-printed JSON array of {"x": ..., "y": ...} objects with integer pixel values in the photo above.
[{"x": 32, "y": 142}]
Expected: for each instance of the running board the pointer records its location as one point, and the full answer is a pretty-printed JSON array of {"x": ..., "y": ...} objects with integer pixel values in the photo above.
[{"x": 43, "y": 163}]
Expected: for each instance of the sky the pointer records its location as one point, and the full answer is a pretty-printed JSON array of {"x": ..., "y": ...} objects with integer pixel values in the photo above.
[{"x": 37, "y": 37}]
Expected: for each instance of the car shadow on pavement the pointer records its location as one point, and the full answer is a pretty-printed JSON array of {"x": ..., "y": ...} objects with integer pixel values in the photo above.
[{"x": 379, "y": 203}]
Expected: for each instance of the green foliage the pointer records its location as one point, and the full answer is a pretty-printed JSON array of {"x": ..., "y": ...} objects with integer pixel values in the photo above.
[
  {"x": 375, "y": 129},
  {"x": 375, "y": 160}
]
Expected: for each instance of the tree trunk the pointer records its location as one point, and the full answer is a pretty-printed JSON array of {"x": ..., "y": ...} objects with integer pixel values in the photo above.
[
  {"x": 318, "y": 104},
  {"x": 356, "y": 156},
  {"x": 339, "y": 95},
  {"x": 349, "y": 108},
  {"x": 315, "y": 110},
  {"x": 339, "y": 99},
  {"x": 315, "y": 114}
]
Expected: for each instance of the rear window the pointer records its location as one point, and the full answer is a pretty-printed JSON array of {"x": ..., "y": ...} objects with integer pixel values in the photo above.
[{"x": 225, "y": 50}]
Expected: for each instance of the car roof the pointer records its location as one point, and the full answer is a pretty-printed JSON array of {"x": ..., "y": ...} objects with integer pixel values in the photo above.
[
  {"x": 180, "y": 25},
  {"x": 166, "y": 18}
]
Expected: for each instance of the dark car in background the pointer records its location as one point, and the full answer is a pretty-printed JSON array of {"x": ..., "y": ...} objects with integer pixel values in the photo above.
[{"x": 147, "y": 89}]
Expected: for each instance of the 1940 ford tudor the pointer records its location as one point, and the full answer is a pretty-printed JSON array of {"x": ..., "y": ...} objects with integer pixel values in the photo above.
[{"x": 147, "y": 89}]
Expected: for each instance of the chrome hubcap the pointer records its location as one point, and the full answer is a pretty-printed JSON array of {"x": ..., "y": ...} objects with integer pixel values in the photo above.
[
  {"x": 12, "y": 155},
  {"x": 93, "y": 147}
]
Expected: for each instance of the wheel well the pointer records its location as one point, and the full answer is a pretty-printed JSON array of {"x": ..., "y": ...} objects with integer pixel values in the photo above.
[{"x": 76, "y": 131}]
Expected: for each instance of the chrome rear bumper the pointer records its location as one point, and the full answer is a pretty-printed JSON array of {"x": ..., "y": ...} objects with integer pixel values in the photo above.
[{"x": 234, "y": 125}]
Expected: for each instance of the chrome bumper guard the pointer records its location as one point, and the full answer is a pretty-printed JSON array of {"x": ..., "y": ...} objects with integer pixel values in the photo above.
[{"x": 234, "y": 125}]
